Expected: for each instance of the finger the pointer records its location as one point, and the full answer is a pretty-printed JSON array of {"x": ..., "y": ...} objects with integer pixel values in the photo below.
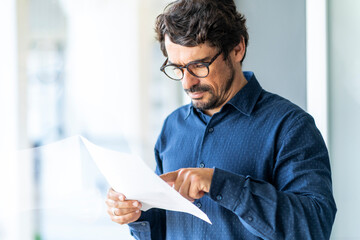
[
  {"x": 181, "y": 176},
  {"x": 122, "y": 197},
  {"x": 178, "y": 183},
  {"x": 169, "y": 177},
  {"x": 184, "y": 189},
  {"x": 127, "y": 218},
  {"x": 112, "y": 194},
  {"x": 125, "y": 204},
  {"x": 198, "y": 186},
  {"x": 124, "y": 211},
  {"x": 121, "y": 212},
  {"x": 199, "y": 195},
  {"x": 195, "y": 193}
]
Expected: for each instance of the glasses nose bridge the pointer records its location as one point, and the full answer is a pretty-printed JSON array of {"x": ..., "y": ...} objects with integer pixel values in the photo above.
[
  {"x": 189, "y": 80},
  {"x": 186, "y": 67},
  {"x": 183, "y": 68}
]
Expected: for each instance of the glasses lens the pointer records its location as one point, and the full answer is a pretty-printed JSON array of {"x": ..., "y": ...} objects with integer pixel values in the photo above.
[
  {"x": 173, "y": 72},
  {"x": 198, "y": 69}
]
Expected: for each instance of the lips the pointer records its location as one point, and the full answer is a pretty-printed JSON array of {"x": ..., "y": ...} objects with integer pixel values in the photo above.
[{"x": 196, "y": 95}]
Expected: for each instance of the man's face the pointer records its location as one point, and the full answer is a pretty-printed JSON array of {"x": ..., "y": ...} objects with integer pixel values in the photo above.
[{"x": 207, "y": 93}]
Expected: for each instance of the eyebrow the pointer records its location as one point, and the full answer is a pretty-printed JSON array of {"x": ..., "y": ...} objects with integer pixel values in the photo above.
[{"x": 205, "y": 59}]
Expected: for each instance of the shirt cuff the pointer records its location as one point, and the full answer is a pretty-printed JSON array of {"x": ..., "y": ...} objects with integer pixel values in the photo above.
[
  {"x": 226, "y": 188},
  {"x": 140, "y": 230}
]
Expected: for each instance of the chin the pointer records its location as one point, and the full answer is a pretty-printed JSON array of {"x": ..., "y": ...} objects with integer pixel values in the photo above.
[
  {"x": 206, "y": 105},
  {"x": 201, "y": 105}
]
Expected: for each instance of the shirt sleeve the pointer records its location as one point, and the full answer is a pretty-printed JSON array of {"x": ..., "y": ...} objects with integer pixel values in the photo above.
[
  {"x": 297, "y": 203},
  {"x": 151, "y": 224}
]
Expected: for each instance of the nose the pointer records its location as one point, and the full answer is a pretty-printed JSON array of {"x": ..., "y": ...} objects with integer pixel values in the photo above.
[{"x": 189, "y": 80}]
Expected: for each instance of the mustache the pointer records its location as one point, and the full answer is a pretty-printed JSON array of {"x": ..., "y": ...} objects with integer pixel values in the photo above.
[{"x": 198, "y": 88}]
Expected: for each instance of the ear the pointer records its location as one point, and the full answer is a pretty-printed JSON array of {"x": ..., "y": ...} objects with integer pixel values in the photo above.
[{"x": 239, "y": 51}]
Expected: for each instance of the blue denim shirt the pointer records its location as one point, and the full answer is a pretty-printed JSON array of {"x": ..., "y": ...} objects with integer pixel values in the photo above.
[{"x": 271, "y": 179}]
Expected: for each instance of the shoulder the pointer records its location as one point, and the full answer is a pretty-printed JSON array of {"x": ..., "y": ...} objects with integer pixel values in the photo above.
[
  {"x": 281, "y": 113},
  {"x": 279, "y": 107}
]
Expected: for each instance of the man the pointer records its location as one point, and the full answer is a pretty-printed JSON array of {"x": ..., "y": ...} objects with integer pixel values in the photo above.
[{"x": 251, "y": 160}]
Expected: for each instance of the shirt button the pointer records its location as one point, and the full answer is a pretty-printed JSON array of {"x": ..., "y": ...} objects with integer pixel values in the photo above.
[
  {"x": 211, "y": 130},
  {"x": 143, "y": 224},
  {"x": 202, "y": 165},
  {"x": 250, "y": 219},
  {"x": 219, "y": 197},
  {"x": 199, "y": 205}
]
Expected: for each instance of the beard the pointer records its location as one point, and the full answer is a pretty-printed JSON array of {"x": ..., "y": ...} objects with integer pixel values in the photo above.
[{"x": 214, "y": 100}]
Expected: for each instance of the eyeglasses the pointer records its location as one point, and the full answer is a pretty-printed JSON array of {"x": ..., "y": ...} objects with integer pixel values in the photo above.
[{"x": 195, "y": 68}]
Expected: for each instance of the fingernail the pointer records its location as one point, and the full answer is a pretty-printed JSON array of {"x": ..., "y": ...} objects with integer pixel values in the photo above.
[
  {"x": 137, "y": 211},
  {"x": 122, "y": 198},
  {"x": 135, "y": 204}
]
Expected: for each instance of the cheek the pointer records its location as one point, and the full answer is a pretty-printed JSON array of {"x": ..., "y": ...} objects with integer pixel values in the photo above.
[
  {"x": 209, "y": 82},
  {"x": 215, "y": 81}
]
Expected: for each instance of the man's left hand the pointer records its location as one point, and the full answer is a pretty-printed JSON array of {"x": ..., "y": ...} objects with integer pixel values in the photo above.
[{"x": 192, "y": 183}]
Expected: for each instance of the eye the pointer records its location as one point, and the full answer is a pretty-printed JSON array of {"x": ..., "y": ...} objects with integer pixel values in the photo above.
[{"x": 198, "y": 65}]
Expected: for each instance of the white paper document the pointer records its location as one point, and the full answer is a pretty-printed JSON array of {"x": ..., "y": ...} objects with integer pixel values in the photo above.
[{"x": 128, "y": 174}]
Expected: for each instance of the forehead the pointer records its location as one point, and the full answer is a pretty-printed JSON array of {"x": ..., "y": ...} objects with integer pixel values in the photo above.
[{"x": 179, "y": 54}]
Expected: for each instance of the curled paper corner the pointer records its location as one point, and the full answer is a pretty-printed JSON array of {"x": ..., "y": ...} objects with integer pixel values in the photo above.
[
  {"x": 126, "y": 173},
  {"x": 129, "y": 174}
]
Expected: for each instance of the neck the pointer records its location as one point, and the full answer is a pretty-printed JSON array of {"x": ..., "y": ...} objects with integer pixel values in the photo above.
[{"x": 239, "y": 82}]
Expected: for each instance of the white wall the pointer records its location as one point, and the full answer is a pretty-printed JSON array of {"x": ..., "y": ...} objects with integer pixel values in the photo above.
[
  {"x": 8, "y": 131},
  {"x": 102, "y": 70},
  {"x": 344, "y": 66},
  {"x": 277, "y": 46}
]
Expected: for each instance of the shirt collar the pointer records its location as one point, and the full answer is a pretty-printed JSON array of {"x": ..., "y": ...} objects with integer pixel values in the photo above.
[{"x": 245, "y": 100}]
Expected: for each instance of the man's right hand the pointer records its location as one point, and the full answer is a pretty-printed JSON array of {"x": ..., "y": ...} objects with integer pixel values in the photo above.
[{"x": 120, "y": 210}]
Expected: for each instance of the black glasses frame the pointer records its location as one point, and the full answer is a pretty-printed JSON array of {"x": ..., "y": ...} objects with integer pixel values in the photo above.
[{"x": 206, "y": 64}]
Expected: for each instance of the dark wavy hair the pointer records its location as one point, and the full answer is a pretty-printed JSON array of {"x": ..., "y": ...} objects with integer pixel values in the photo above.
[{"x": 193, "y": 22}]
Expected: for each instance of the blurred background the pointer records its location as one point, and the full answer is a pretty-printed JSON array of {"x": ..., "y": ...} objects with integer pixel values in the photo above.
[{"x": 91, "y": 67}]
